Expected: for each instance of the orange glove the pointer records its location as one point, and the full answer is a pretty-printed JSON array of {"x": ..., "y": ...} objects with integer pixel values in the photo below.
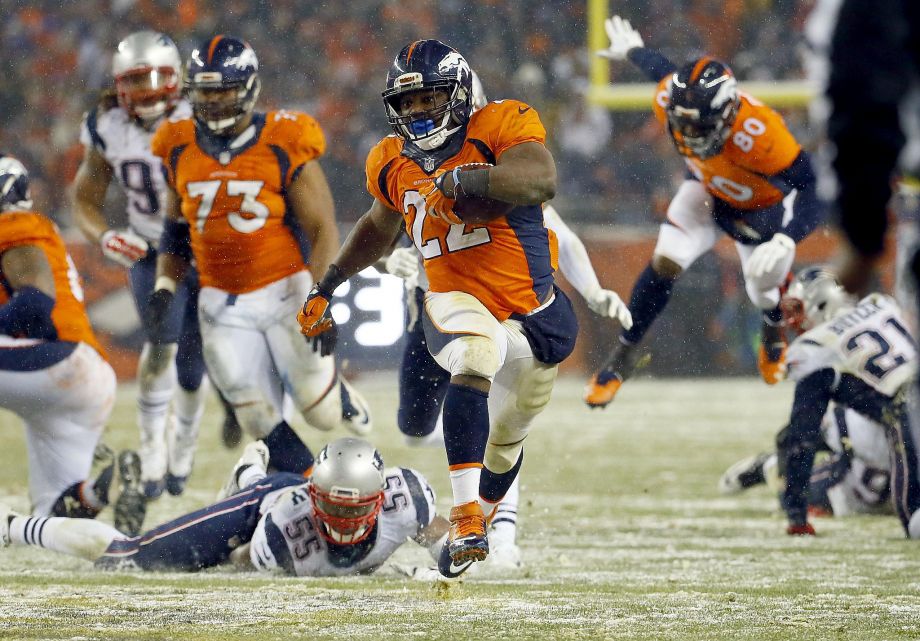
[
  {"x": 438, "y": 204},
  {"x": 314, "y": 318}
]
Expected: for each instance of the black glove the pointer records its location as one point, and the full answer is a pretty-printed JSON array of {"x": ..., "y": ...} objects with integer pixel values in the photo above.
[
  {"x": 157, "y": 310},
  {"x": 324, "y": 342}
]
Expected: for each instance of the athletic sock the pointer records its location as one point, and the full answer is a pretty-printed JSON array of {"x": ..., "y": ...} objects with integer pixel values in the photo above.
[
  {"x": 466, "y": 432},
  {"x": 650, "y": 295}
]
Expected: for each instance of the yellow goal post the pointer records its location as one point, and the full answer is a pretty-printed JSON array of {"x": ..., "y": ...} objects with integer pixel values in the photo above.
[{"x": 637, "y": 96}]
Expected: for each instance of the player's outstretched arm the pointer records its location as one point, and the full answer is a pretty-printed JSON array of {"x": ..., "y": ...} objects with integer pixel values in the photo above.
[
  {"x": 524, "y": 175},
  {"x": 368, "y": 241},
  {"x": 310, "y": 200},
  {"x": 626, "y": 44},
  {"x": 90, "y": 187},
  {"x": 576, "y": 266}
]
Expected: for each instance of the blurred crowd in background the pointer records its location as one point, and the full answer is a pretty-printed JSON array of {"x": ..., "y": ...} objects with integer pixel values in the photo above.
[{"x": 330, "y": 58}]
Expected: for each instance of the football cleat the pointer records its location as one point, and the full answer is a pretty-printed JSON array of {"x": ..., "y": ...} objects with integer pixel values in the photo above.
[
  {"x": 467, "y": 539},
  {"x": 255, "y": 453},
  {"x": 771, "y": 359},
  {"x": 175, "y": 485},
  {"x": 622, "y": 362},
  {"x": 231, "y": 432},
  {"x": 746, "y": 473},
  {"x": 446, "y": 565},
  {"x": 504, "y": 553},
  {"x": 181, "y": 440},
  {"x": 355, "y": 415},
  {"x": 102, "y": 472},
  {"x": 131, "y": 506},
  {"x": 802, "y": 529},
  {"x": 153, "y": 490},
  {"x": 6, "y": 515}
]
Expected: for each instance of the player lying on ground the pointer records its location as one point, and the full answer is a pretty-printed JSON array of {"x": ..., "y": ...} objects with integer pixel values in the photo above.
[
  {"x": 349, "y": 518},
  {"x": 854, "y": 479},
  {"x": 861, "y": 356}
]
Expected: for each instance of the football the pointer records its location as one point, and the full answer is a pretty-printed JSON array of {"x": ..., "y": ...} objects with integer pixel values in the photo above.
[{"x": 479, "y": 209}]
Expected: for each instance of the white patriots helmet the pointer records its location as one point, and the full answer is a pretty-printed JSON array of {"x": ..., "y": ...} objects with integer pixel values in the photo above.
[
  {"x": 346, "y": 489},
  {"x": 814, "y": 296},
  {"x": 147, "y": 69},
  {"x": 479, "y": 94},
  {"x": 15, "y": 194}
]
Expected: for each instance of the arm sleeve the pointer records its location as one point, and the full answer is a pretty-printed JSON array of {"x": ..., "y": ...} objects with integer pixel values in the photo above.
[
  {"x": 573, "y": 257},
  {"x": 652, "y": 63},
  {"x": 801, "y": 440},
  {"x": 808, "y": 211}
]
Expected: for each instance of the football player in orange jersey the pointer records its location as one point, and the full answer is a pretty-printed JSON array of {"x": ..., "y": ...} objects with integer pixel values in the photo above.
[
  {"x": 53, "y": 373},
  {"x": 249, "y": 201},
  {"x": 493, "y": 316},
  {"x": 747, "y": 176}
]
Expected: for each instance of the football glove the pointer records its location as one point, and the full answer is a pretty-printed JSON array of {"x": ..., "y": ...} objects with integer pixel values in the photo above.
[
  {"x": 605, "y": 302},
  {"x": 622, "y": 38},
  {"x": 325, "y": 342},
  {"x": 314, "y": 317},
  {"x": 158, "y": 305},
  {"x": 768, "y": 255},
  {"x": 403, "y": 262},
  {"x": 124, "y": 247},
  {"x": 437, "y": 202}
]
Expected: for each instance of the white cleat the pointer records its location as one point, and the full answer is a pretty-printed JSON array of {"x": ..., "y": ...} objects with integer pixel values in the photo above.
[
  {"x": 5, "y": 515},
  {"x": 746, "y": 473},
  {"x": 254, "y": 454},
  {"x": 355, "y": 415},
  {"x": 504, "y": 554}
]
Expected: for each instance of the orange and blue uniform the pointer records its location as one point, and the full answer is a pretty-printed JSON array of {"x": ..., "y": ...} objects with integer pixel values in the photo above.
[
  {"x": 233, "y": 198},
  {"x": 68, "y": 316},
  {"x": 507, "y": 263}
]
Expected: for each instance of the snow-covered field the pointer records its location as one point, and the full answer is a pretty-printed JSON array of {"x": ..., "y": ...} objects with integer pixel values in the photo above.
[{"x": 623, "y": 532}]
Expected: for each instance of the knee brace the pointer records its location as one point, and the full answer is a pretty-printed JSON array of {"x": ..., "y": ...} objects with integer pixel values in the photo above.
[
  {"x": 535, "y": 388},
  {"x": 471, "y": 355}
]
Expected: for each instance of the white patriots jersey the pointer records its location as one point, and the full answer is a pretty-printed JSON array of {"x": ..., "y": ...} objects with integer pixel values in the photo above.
[
  {"x": 125, "y": 145},
  {"x": 286, "y": 539},
  {"x": 869, "y": 341}
]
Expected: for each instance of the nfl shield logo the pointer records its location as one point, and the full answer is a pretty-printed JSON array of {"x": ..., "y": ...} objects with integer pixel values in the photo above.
[{"x": 429, "y": 165}]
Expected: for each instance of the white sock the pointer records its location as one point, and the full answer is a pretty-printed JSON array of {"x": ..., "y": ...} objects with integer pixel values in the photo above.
[
  {"x": 85, "y": 538},
  {"x": 504, "y": 524},
  {"x": 155, "y": 390},
  {"x": 188, "y": 408},
  {"x": 465, "y": 484}
]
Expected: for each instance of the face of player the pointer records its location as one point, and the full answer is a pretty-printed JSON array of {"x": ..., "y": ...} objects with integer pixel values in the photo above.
[
  {"x": 219, "y": 105},
  {"x": 424, "y": 103}
]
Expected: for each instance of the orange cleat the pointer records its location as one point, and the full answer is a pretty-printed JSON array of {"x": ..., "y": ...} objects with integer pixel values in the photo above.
[
  {"x": 772, "y": 370},
  {"x": 467, "y": 539},
  {"x": 601, "y": 389}
]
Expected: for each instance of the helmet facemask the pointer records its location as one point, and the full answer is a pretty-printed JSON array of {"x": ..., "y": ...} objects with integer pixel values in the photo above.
[
  {"x": 221, "y": 107},
  {"x": 814, "y": 297},
  {"x": 429, "y": 129},
  {"x": 699, "y": 135},
  {"x": 147, "y": 93},
  {"x": 15, "y": 192},
  {"x": 345, "y": 518}
]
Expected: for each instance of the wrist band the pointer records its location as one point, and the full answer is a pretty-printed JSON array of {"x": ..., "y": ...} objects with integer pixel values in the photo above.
[
  {"x": 475, "y": 182},
  {"x": 330, "y": 282}
]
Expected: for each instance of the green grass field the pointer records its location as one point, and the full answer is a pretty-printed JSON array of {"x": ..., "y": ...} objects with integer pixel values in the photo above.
[{"x": 623, "y": 532}]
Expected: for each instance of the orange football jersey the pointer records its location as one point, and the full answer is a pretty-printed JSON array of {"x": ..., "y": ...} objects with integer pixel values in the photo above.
[
  {"x": 18, "y": 229},
  {"x": 233, "y": 196},
  {"x": 758, "y": 147},
  {"x": 507, "y": 263}
]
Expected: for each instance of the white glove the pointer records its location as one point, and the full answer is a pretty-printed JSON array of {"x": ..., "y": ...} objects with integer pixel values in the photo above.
[
  {"x": 403, "y": 262},
  {"x": 606, "y": 302},
  {"x": 768, "y": 255},
  {"x": 418, "y": 572},
  {"x": 622, "y": 38},
  {"x": 124, "y": 247}
]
